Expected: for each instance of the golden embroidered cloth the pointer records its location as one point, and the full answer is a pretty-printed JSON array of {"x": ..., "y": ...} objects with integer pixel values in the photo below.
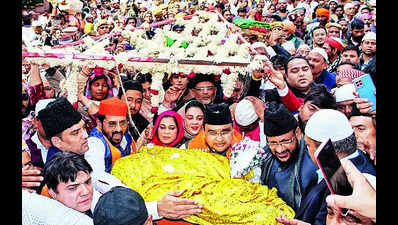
[{"x": 205, "y": 177}]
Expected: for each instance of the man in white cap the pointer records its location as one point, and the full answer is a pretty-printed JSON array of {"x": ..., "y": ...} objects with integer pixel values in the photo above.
[
  {"x": 345, "y": 98},
  {"x": 38, "y": 145},
  {"x": 324, "y": 124},
  {"x": 248, "y": 122},
  {"x": 303, "y": 50},
  {"x": 288, "y": 166},
  {"x": 318, "y": 59},
  {"x": 368, "y": 47},
  {"x": 349, "y": 12}
]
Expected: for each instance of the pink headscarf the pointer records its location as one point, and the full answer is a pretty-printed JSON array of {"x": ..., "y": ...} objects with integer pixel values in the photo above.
[{"x": 180, "y": 134}]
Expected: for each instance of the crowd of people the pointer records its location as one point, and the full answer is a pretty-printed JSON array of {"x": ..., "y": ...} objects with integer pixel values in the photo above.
[{"x": 313, "y": 54}]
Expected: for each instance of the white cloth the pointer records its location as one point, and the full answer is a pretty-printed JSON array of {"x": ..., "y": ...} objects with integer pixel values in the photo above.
[
  {"x": 43, "y": 150},
  {"x": 41, "y": 210}
]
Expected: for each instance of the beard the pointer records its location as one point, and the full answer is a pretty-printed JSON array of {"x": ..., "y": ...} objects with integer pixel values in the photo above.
[
  {"x": 111, "y": 138},
  {"x": 292, "y": 157}
]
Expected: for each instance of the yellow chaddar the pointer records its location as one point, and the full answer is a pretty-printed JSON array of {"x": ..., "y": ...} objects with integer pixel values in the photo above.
[{"x": 205, "y": 177}]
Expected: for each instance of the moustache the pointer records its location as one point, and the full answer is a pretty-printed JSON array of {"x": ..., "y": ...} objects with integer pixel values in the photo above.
[{"x": 117, "y": 132}]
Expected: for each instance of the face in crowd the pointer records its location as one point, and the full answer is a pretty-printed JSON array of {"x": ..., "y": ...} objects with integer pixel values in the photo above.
[
  {"x": 299, "y": 74},
  {"x": 205, "y": 92},
  {"x": 114, "y": 127},
  {"x": 317, "y": 63},
  {"x": 73, "y": 139},
  {"x": 193, "y": 120},
  {"x": 146, "y": 87},
  {"x": 167, "y": 130},
  {"x": 99, "y": 89},
  {"x": 319, "y": 37},
  {"x": 179, "y": 81},
  {"x": 284, "y": 146},
  {"x": 134, "y": 99},
  {"x": 369, "y": 47},
  {"x": 219, "y": 137},
  {"x": 350, "y": 56},
  {"x": 364, "y": 130},
  {"x": 76, "y": 194},
  {"x": 345, "y": 107}
]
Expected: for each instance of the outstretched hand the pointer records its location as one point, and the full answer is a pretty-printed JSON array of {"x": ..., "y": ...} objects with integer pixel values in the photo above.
[{"x": 172, "y": 207}]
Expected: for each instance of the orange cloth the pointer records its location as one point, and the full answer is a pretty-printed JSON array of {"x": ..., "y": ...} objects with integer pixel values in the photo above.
[
  {"x": 116, "y": 154},
  {"x": 113, "y": 107},
  {"x": 44, "y": 191},
  {"x": 322, "y": 12},
  {"x": 198, "y": 142}
]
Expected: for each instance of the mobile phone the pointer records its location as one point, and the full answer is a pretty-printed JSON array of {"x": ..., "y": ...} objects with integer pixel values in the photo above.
[
  {"x": 333, "y": 172},
  {"x": 366, "y": 89}
]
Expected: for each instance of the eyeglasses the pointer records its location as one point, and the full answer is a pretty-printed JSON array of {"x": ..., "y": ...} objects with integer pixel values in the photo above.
[
  {"x": 222, "y": 133},
  {"x": 287, "y": 142},
  {"x": 201, "y": 89},
  {"x": 48, "y": 88},
  {"x": 113, "y": 124}
]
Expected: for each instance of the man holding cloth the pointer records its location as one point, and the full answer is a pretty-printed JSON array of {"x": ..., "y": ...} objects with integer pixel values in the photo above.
[
  {"x": 288, "y": 166},
  {"x": 218, "y": 134}
]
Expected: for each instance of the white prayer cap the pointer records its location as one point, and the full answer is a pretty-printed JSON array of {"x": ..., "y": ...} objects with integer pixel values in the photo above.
[
  {"x": 369, "y": 36},
  {"x": 259, "y": 45},
  {"x": 282, "y": 1},
  {"x": 114, "y": 1},
  {"x": 348, "y": 5},
  {"x": 41, "y": 104},
  {"x": 345, "y": 93},
  {"x": 322, "y": 52},
  {"x": 245, "y": 114},
  {"x": 328, "y": 123}
]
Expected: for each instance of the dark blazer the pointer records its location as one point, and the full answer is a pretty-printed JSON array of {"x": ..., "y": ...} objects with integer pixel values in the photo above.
[
  {"x": 313, "y": 207},
  {"x": 292, "y": 180}
]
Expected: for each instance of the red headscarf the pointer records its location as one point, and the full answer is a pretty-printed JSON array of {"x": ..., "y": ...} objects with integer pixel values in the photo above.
[{"x": 180, "y": 134}]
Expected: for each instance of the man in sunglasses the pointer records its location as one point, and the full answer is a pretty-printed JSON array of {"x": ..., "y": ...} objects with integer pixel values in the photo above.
[{"x": 288, "y": 166}]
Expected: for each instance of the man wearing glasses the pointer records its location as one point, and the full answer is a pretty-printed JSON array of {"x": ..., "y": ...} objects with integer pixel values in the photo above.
[
  {"x": 203, "y": 88},
  {"x": 218, "y": 134},
  {"x": 288, "y": 166},
  {"x": 110, "y": 140}
]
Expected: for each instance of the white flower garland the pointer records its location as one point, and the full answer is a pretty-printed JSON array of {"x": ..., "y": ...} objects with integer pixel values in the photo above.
[{"x": 209, "y": 39}]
